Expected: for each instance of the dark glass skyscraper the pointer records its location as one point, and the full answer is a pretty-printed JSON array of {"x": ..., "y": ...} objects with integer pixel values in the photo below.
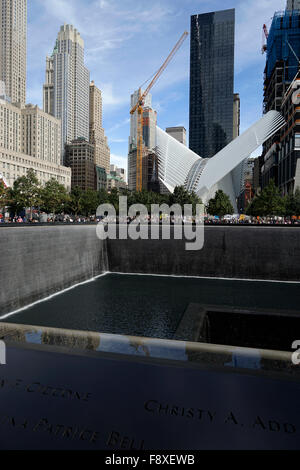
[
  {"x": 211, "y": 81},
  {"x": 280, "y": 160}
]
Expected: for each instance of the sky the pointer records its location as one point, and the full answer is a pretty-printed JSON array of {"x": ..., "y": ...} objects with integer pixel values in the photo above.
[{"x": 126, "y": 41}]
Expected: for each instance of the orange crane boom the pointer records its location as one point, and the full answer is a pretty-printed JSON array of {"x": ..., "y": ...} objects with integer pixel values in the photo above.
[
  {"x": 265, "y": 35},
  {"x": 139, "y": 108}
]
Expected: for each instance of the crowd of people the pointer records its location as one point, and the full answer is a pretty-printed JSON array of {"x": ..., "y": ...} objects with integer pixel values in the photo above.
[
  {"x": 47, "y": 219},
  {"x": 43, "y": 218},
  {"x": 253, "y": 221}
]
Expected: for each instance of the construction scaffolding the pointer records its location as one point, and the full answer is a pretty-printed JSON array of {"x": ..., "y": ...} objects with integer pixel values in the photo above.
[{"x": 283, "y": 43}]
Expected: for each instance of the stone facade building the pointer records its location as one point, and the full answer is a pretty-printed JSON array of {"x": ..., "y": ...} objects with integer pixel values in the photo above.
[
  {"x": 66, "y": 91},
  {"x": 30, "y": 138},
  {"x": 96, "y": 131},
  {"x": 80, "y": 158},
  {"x": 13, "y": 40},
  {"x": 179, "y": 133}
]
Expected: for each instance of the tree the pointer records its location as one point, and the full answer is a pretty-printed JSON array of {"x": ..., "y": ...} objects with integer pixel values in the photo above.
[
  {"x": 255, "y": 207},
  {"x": 113, "y": 198},
  {"x": 54, "y": 197},
  {"x": 143, "y": 197},
  {"x": 181, "y": 196},
  {"x": 269, "y": 203},
  {"x": 89, "y": 202},
  {"x": 220, "y": 205},
  {"x": 292, "y": 204},
  {"x": 102, "y": 196},
  {"x": 74, "y": 204},
  {"x": 26, "y": 192},
  {"x": 3, "y": 194}
]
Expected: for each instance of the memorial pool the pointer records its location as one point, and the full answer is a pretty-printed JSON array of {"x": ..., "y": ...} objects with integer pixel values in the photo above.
[{"x": 150, "y": 306}]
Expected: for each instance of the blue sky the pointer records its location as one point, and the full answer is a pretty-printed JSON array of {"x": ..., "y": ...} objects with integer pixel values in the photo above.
[{"x": 126, "y": 41}]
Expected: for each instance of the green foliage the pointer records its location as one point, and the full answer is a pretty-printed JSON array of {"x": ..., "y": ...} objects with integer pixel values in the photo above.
[
  {"x": 3, "y": 194},
  {"x": 181, "y": 196},
  {"x": 254, "y": 208},
  {"x": 26, "y": 192},
  {"x": 89, "y": 201},
  {"x": 103, "y": 196},
  {"x": 292, "y": 204},
  {"x": 54, "y": 197},
  {"x": 220, "y": 205},
  {"x": 268, "y": 203},
  {"x": 147, "y": 198},
  {"x": 113, "y": 198},
  {"x": 74, "y": 204}
]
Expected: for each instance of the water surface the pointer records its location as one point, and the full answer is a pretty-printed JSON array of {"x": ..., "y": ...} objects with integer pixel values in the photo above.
[{"x": 150, "y": 306}]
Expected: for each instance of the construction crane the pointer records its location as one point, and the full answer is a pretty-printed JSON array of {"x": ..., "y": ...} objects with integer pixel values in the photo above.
[
  {"x": 265, "y": 35},
  {"x": 139, "y": 108}
]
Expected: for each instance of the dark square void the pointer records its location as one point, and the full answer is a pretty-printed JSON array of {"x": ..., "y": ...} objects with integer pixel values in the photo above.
[{"x": 271, "y": 331}]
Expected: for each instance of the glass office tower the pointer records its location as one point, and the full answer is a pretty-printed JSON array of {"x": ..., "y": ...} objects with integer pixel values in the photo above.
[
  {"x": 211, "y": 81},
  {"x": 280, "y": 160}
]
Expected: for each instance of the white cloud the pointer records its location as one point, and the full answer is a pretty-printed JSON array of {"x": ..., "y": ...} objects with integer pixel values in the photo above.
[
  {"x": 118, "y": 125},
  {"x": 63, "y": 10},
  {"x": 105, "y": 45},
  {"x": 250, "y": 17},
  {"x": 118, "y": 160},
  {"x": 103, "y": 4},
  {"x": 117, "y": 141},
  {"x": 112, "y": 97}
]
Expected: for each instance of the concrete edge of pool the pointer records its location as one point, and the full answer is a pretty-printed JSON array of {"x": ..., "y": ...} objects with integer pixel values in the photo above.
[{"x": 229, "y": 358}]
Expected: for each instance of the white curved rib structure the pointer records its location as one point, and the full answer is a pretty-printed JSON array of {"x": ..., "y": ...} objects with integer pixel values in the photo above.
[
  {"x": 174, "y": 160},
  {"x": 180, "y": 166},
  {"x": 234, "y": 153}
]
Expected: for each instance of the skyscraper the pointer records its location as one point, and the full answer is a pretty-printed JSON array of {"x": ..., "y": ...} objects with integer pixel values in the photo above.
[
  {"x": 236, "y": 115},
  {"x": 211, "y": 81},
  {"x": 293, "y": 5},
  {"x": 48, "y": 89},
  {"x": 70, "y": 80},
  {"x": 97, "y": 135},
  {"x": 280, "y": 160},
  {"x": 179, "y": 133},
  {"x": 13, "y": 35},
  {"x": 149, "y": 134},
  {"x": 29, "y": 138},
  {"x": 79, "y": 156},
  {"x": 133, "y": 117}
]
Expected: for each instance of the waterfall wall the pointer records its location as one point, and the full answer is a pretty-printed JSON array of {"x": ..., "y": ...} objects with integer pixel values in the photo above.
[
  {"x": 39, "y": 261},
  {"x": 243, "y": 252}
]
